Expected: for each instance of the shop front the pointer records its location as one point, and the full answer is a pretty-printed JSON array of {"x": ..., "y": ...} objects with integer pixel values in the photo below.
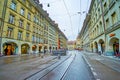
[
  {"x": 10, "y": 48},
  {"x": 25, "y": 49}
]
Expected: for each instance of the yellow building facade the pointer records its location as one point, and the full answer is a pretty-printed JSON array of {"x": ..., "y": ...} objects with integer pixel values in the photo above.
[{"x": 24, "y": 27}]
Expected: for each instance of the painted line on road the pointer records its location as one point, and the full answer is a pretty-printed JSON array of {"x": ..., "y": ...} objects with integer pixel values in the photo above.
[
  {"x": 98, "y": 79},
  {"x": 91, "y": 68},
  {"x": 94, "y": 73},
  {"x": 89, "y": 64}
]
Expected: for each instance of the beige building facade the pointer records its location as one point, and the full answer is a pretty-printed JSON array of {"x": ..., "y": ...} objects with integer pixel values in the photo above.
[{"x": 101, "y": 28}]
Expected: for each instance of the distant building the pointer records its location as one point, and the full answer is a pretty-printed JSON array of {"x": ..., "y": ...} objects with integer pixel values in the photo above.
[{"x": 71, "y": 45}]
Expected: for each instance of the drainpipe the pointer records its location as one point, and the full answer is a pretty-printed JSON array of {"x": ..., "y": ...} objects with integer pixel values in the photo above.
[
  {"x": 2, "y": 23},
  {"x": 103, "y": 22}
]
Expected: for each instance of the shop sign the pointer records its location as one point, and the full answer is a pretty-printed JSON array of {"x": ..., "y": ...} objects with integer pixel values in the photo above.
[{"x": 112, "y": 34}]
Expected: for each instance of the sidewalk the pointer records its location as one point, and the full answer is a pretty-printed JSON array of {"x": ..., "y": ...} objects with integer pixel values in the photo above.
[
  {"x": 23, "y": 57},
  {"x": 109, "y": 61},
  {"x": 19, "y": 70}
]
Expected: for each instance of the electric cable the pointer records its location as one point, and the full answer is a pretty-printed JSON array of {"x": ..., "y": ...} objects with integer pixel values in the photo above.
[{"x": 68, "y": 15}]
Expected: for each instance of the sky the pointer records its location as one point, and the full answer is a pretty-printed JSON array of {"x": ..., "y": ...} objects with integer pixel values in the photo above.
[{"x": 68, "y": 14}]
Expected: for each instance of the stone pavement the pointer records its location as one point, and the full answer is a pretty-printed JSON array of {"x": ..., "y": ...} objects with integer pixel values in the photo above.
[
  {"x": 19, "y": 67},
  {"x": 110, "y": 61},
  {"x": 23, "y": 57}
]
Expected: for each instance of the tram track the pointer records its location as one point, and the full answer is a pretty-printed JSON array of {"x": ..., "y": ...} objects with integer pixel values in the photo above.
[
  {"x": 62, "y": 78},
  {"x": 40, "y": 75}
]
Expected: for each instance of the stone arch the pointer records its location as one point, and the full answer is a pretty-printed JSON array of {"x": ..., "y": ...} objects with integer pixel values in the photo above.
[
  {"x": 34, "y": 47},
  {"x": 25, "y": 48},
  {"x": 10, "y": 48},
  {"x": 114, "y": 44},
  {"x": 101, "y": 46}
]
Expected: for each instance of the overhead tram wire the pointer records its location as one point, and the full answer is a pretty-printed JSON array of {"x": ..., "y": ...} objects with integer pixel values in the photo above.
[
  {"x": 87, "y": 7},
  {"x": 68, "y": 15},
  {"x": 86, "y": 11},
  {"x": 80, "y": 17}
]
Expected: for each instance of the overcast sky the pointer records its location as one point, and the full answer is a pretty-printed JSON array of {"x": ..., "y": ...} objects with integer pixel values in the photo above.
[{"x": 69, "y": 14}]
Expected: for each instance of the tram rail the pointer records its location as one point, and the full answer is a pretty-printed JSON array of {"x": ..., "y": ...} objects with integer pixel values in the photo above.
[{"x": 42, "y": 73}]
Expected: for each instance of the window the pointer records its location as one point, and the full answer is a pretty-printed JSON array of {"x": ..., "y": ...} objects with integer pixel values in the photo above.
[
  {"x": 10, "y": 32},
  {"x": 27, "y": 36},
  {"x": 105, "y": 6},
  {"x": 21, "y": 23},
  {"x": 33, "y": 29},
  {"x": 28, "y": 26},
  {"x": 37, "y": 20},
  {"x": 101, "y": 27},
  {"x": 114, "y": 18},
  {"x": 36, "y": 30},
  {"x": 29, "y": 5},
  {"x": 34, "y": 19},
  {"x": 11, "y": 19},
  {"x": 37, "y": 39},
  {"x": 13, "y": 5},
  {"x": 107, "y": 23},
  {"x": 22, "y": 11},
  {"x": 33, "y": 38},
  {"x": 20, "y": 35},
  {"x": 24, "y": 0},
  {"x": 29, "y": 16},
  {"x": 99, "y": 12}
]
